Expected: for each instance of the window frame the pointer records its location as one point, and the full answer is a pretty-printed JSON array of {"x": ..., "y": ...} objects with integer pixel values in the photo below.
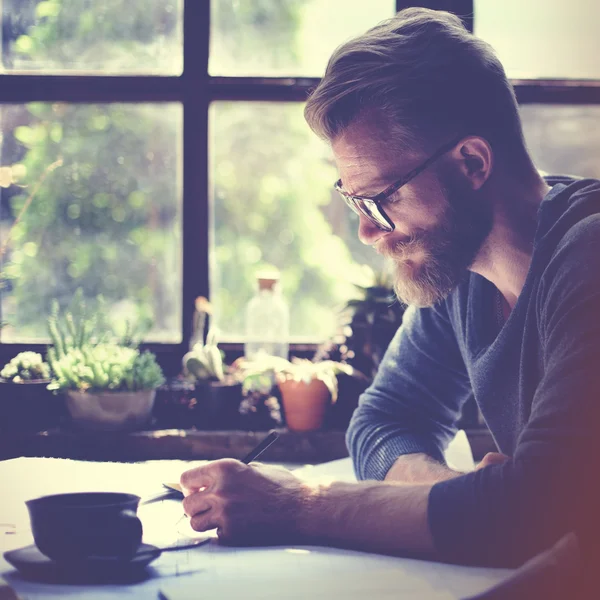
[{"x": 195, "y": 89}]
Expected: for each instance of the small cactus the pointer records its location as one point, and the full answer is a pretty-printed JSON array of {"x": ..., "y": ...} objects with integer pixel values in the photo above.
[
  {"x": 26, "y": 366},
  {"x": 205, "y": 361}
]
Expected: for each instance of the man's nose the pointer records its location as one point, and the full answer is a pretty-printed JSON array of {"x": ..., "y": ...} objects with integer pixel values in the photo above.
[{"x": 368, "y": 232}]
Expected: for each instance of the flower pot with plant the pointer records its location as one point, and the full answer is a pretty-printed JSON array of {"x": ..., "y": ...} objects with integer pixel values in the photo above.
[
  {"x": 218, "y": 392},
  {"x": 108, "y": 383},
  {"x": 308, "y": 389},
  {"x": 25, "y": 402}
]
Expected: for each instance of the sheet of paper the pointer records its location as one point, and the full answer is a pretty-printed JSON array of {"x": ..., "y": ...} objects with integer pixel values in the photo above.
[
  {"x": 315, "y": 572},
  {"x": 215, "y": 571}
]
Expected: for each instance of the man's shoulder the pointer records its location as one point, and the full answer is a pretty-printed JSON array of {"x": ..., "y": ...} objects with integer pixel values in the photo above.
[
  {"x": 580, "y": 240},
  {"x": 570, "y": 219},
  {"x": 572, "y": 263}
]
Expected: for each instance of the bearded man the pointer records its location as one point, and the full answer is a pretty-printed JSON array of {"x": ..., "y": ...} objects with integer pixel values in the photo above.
[{"x": 501, "y": 270}]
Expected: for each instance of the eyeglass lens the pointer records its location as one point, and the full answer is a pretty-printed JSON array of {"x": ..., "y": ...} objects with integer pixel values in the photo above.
[
  {"x": 369, "y": 209},
  {"x": 372, "y": 212}
]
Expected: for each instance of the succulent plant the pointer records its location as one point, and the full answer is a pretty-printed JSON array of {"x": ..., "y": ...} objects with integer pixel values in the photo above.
[
  {"x": 106, "y": 366},
  {"x": 87, "y": 356},
  {"x": 26, "y": 366}
]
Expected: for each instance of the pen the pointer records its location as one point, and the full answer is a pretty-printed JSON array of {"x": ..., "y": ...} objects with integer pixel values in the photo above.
[
  {"x": 173, "y": 491},
  {"x": 254, "y": 454}
]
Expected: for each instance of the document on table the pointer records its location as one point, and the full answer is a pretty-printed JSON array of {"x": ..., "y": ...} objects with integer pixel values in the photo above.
[
  {"x": 315, "y": 572},
  {"x": 212, "y": 570}
]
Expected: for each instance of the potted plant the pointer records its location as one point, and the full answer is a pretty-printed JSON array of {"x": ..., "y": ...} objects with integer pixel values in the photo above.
[
  {"x": 25, "y": 402},
  {"x": 108, "y": 383},
  {"x": 308, "y": 389},
  {"x": 218, "y": 391}
]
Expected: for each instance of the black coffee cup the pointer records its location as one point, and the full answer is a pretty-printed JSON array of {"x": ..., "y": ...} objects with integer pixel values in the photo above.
[{"x": 71, "y": 527}]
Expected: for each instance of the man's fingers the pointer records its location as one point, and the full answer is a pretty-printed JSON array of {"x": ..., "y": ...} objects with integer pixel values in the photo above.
[
  {"x": 211, "y": 474},
  {"x": 196, "y": 479},
  {"x": 197, "y": 503},
  {"x": 493, "y": 458},
  {"x": 205, "y": 521}
]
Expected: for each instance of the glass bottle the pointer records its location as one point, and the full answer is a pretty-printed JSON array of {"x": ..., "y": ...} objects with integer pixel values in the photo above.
[{"x": 267, "y": 321}]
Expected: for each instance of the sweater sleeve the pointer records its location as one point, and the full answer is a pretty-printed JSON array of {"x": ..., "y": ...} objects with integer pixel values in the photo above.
[
  {"x": 503, "y": 515},
  {"x": 415, "y": 399}
]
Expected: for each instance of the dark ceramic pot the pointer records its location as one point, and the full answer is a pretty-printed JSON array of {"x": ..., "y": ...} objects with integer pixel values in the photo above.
[
  {"x": 29, "y": 406},
  {"x": 175, "y": 404},
  {"x": 218, "y": 405}
]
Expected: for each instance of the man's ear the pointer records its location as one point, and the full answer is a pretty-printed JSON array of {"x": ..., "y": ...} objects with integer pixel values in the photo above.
[{"x": 475, "y": 160}]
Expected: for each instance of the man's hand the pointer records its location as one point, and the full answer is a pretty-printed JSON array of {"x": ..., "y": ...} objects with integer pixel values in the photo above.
[
  {"x": 492, "y": 458},
  {"x": 245, "y": 503},
  {"x": 258, "y": 504},
  {"x": 419, "y": 468}
]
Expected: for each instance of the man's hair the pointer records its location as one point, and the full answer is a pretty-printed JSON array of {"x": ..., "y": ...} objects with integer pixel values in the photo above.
[{"x": 425, "y": 79}]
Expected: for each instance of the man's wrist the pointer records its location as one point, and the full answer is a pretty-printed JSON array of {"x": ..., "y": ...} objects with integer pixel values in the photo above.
[
  {"x": 324, "y": 507},
  {"x": 372, "y": 516},
  {"x": 309, "y": 519}
]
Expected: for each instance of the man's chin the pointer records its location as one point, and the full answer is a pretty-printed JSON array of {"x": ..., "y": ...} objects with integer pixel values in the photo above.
[{"x": 414, "y": 289}]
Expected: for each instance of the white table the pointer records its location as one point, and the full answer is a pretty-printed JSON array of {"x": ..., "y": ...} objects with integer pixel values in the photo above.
[{"x": 213, "y": 571}]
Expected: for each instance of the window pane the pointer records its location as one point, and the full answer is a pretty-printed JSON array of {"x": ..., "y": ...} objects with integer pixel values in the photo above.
[
  {"x": 563, "y": 139},
  {"x": 112, "y": 36},
  {"x": 107, "y": 220},
  {"x": 285, "y": 37},
  {"x": 274, "y": 205},
  {"x": 544, "y": 39}
]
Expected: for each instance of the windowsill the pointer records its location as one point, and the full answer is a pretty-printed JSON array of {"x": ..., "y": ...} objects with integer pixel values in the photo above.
[{"x": 298, "y": 447}]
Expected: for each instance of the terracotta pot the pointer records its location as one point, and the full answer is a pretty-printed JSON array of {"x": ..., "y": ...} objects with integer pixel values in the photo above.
[
  {"x": 304, "y": 404},
  {"x": 110, "y": 411}
]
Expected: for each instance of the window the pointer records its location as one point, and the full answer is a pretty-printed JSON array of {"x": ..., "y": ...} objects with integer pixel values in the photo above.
[
  {"x": 106, "y": 217},
  {"x": 542, "y": 39},
  {"x": 274, "y": 38},
  {"x": 101, "y": 89},
  {"x": 99, "y": 178},
  {"x": 271, "y": 178},
  {"x": 167, "y": 154},
  {"x": 550, "y": 50},
  {"x": 113, "y": 37}
]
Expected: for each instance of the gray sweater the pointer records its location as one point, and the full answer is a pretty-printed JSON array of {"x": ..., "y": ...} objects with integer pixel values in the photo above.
[{"x": 536, "y": 380}]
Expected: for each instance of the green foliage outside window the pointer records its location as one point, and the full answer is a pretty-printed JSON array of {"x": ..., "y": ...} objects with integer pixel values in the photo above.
[{"x": 109, "y": 220}]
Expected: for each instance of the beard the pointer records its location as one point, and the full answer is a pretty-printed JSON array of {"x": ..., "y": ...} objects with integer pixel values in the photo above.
[{"x": 433, "y": 262}]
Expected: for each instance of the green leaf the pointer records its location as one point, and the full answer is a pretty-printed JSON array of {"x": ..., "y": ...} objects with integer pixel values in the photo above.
[
  {"x": 24, "y": 134},
  {"x": 24, "y": 44},
  {"x": 56, "y": 133},
  {"x": 47, "y": 9}
]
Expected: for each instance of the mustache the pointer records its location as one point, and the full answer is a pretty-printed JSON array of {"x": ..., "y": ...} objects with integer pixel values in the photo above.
[{"x": 398, "y": 249}]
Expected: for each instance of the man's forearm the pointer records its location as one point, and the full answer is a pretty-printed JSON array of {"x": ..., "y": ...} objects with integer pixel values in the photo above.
[
  {"x": 373, "y": 516},
  {"x": 419, "y": 468}
]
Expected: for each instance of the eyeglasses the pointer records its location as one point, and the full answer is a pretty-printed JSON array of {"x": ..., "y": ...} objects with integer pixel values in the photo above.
[{"x": 371, "y": 207}]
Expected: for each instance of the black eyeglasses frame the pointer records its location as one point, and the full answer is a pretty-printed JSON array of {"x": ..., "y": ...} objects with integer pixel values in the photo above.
[{"x": 371, "y": 207}]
